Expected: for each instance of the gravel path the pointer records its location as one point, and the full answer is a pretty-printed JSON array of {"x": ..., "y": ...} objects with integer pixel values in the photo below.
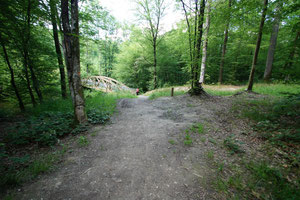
[{"x": 132, "y": 158}]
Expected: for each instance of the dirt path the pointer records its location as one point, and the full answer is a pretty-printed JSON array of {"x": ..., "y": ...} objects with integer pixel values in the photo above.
[{"x": 132, "y": 158}]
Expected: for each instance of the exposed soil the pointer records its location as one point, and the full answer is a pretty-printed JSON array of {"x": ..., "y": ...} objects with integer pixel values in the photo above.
[{"x": 132, "y": 156}]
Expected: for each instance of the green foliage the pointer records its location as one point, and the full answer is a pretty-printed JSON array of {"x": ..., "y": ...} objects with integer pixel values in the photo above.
[
  {"x": 198, "y": 127},
  {"x": 231, "y": 144},
  {"x": 277, "y": 121},
  {"x": 188, "y": 140},
  {"x": 24, "y": 169},
  {"x": 82, "y": 141},
  {"x": 255, "y": 180},
  {"x": 44, "y": 129},
  {"x": 210, "y": 155},
  {"x": 54, "y": 119},
  {"x": 172, "y": 142},
  {"x": 270, "y": 183}
]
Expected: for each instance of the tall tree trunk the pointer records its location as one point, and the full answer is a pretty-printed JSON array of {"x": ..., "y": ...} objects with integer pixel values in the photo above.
[
  {"x": 33, "y": 101},
  {"x": 12, "y": 76},
  {"x": 71, "y": 40},
  {"x": 224, "y": 46},
  {"x": 251, "y": 77},
  {"x": 273, "y": 40},
  {"x": 204, "y": 50},
  {"x": 53, "y": 11},
  {"x": 26, "y": 54},
  {"x": 289, "y": 63},
  {"x": 199, "y": 40},
  {"x": 195, "y": 43},
  {"x": 87, "y": 55},
  {"x": 190, "y": 37},
  {"x": 154, "y": 63}
]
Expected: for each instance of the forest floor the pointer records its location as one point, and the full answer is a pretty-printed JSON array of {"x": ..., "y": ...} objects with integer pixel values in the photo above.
[{"x": 167, "y": 148}]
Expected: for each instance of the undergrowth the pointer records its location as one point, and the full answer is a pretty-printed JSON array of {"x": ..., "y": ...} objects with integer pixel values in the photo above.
[
  {"x": 276, "y": 121},
  {"x": 43, "y": 126},
  {"x": 254, "y": 180}
]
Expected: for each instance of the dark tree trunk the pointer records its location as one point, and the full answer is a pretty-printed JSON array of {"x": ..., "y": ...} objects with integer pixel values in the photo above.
[
  {"x": 33, "y": 101},
  {"x": 71, "y": 43},
  {"x": 224, "y": 47},
  {"x": 273, "y": 40},
  {"x": 190, "y": 36},
  {"x": 154, "y": 63},
  {"x": 12, "y": 77},
  {"x": 197, "y": 87},
  {"x": 195, "y": 43},
  {"x": 289, "y": 63},
  {"x": 259, "y": 37},
  {"x": 63, "y": 86},
  {"x": 26, "y": 54}
]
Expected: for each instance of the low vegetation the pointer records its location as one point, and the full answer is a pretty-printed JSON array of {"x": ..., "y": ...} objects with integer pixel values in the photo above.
[
  {"x": 164, "y": 92},
  {"x": 43, "y": 126},
  {"x": 275, "y": 123}
]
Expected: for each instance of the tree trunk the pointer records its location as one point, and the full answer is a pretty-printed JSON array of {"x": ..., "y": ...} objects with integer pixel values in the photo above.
[
  {"x": 71, "y": 41},
  {"x": 196, "y": 86},
  {"x": 27, "y": 57},
  {"x": 224, "y": 47},
  {"x": 190, "y": 37},
  {"x": 259, "y": 37},
  {"x": 53, "y": 11},
  {"x": 199, "y": 40},
  {"x": 204, "y": 50},
  {"x": 273, "y": 40},
  {"x": 33, "y": 101},
  {"x": 154, "y": 63},
  {"x": 195, "y": 43},
  {"x": 12, "y": 77},
  {"x": 289, "y": 63}
]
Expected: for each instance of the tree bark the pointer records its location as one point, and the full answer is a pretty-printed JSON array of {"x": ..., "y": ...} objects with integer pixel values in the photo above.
[
  {"x": 155, "y": 64},
  {"x": 199, "y": 40},
  {"x": 12, "y": 77},
  {"x": 289, "y": 63},
  {"x": 273, "y": 40},
  {"x": 259, "y": 37},
  {"x": 224, "y": 47},
  {"x": 204, "y": 50},
  {"x": 26, "y": 54},
  {"x": 33, "y": 101},
  {"x": 53, "y": 11},
  {"x": 71, "y": 43},
  {"x": 190, "y": 37}
]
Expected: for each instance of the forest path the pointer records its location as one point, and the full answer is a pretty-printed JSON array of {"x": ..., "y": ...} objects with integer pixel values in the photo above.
[{"x": 132, "y": 158}]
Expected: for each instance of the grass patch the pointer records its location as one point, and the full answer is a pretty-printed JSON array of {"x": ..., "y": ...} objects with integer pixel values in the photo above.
[
  {"x": 24, "y": 170},
  {"x": 197, "y": 128},
  {"x": 277, "y": 89},
  {"x": 255, "y": 180},
  {"x": 220, "y": 92},
  {"x": 210, "y": 155},
  {"x": 262, "y": 88},
  {"x": 172, "y": 142},
  {"x": 188, "y": 140},
  {"x": 231, "y": 144},
  {"x": 82, "y": 141},
  {"x": 165, "y": 92}
]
